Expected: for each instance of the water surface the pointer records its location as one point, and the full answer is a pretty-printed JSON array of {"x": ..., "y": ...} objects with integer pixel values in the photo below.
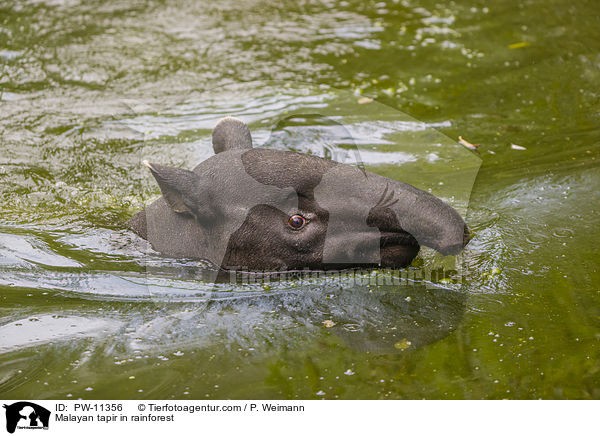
[{"x": 89, "y": 89}]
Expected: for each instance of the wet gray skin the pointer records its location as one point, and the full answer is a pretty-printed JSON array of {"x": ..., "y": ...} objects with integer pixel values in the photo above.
[{"x": 272, "y": 210}]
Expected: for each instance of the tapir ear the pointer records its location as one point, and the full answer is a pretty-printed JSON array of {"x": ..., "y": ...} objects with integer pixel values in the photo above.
[
  {"x": 231, "y": 134},
  {"x": 178, "y": 187}
]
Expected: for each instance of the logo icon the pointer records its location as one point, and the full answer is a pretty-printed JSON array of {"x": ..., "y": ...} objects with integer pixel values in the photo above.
[{"x": 26, "y": 415}]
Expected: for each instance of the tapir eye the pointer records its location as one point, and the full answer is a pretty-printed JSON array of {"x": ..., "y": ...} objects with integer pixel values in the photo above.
[{"x": 296, "y": 222}]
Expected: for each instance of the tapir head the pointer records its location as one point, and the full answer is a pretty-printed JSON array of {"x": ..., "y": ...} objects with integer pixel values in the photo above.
[{"x": 269, "y": 210}]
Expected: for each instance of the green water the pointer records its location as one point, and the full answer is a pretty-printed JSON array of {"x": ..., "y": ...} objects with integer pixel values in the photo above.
[{"x": 89, "y": 89}]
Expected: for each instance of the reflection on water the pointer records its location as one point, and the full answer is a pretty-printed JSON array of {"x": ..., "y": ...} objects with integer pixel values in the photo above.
[
  {"x": 128, "y": 340},
  {"x": 36, "y": 331},
  {"x": 388, "y": 320}
]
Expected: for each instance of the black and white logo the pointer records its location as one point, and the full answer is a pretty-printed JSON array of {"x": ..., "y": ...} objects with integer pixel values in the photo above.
[{"x": 26, "y": 415}]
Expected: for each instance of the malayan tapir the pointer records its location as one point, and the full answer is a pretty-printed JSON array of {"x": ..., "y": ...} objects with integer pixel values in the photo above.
[{"x": 271, "y": 210}]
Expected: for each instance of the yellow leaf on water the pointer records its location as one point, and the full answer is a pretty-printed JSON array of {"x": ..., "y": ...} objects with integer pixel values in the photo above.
[
  {"x": 519, "y": 45},
  {"x": 364, "y": 100},
  {"x": 328, "y": 323},
  {"x": 468, "y": 144}
]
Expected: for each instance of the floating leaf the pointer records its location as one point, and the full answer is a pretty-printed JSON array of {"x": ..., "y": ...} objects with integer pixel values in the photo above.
[
  {"x": 468, "y": 144},
  {"x": 328, "y": 323},
  {"x": 519, "y": 45},
  {"x": 364, "y": 100},
  {"x": 517, "y": 147}
]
